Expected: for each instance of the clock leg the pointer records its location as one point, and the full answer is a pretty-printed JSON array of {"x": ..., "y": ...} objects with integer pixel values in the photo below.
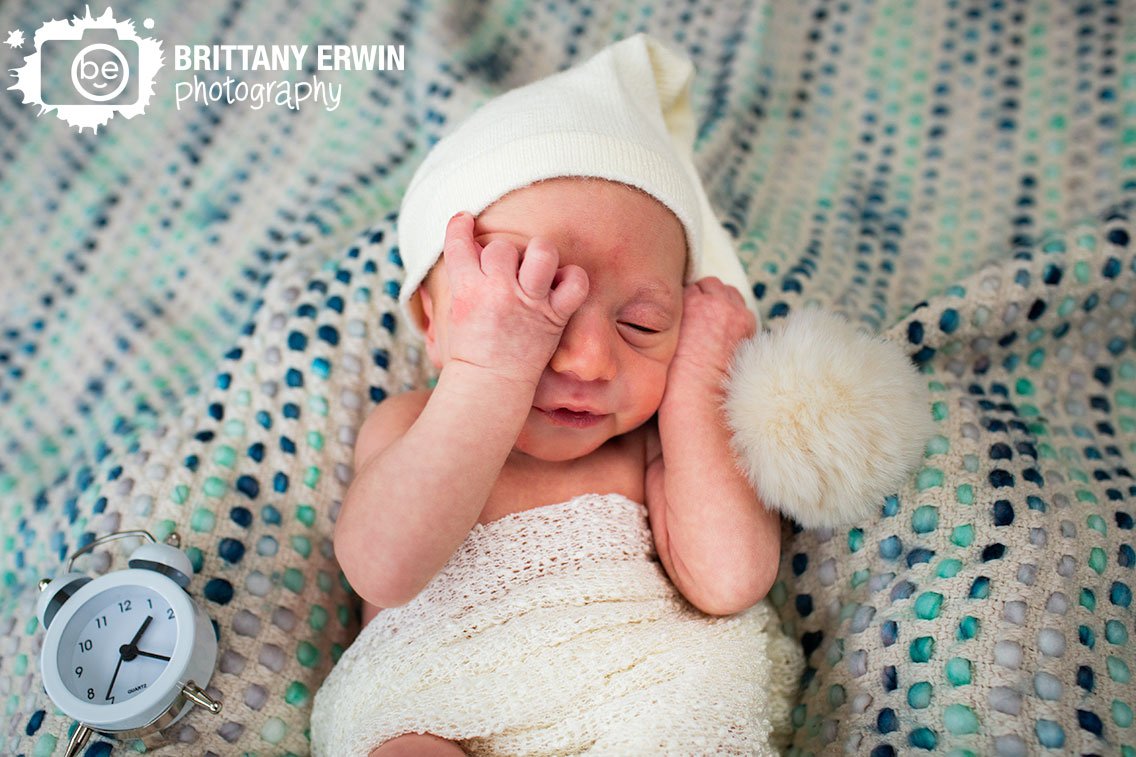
[
  {"x": 197, "y": 695},
  {"x": 78, "y": 740}
]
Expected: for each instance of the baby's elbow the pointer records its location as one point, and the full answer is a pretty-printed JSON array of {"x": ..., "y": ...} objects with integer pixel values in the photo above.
[
  {"x": 370, "y": 574},
  {"x": 378, "y": 585},
  {"x": 738, "y": 591}
]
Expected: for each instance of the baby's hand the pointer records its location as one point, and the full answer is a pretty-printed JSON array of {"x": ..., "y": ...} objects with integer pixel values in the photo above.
[
  {"x": 504, "y": 316},
  {"x": 714, "y": 320}
]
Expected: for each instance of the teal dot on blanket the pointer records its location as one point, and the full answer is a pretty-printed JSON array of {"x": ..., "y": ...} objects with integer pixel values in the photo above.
[
  {"x": 1050, "y": 734},
  {"x": 925, "y": 519},
  {"x": 919, "y": 695},
  {"x": 958, "y": 671},
  {"x": 1120, "y": 594},
  {"x": 1118, "y": 670},
  {"x": 297, "y": 341},
  {"x": 922, "y": 649},
  {"x": 1086, "y": 636},
  {"x": 293, "y": 580},
  {"x": 1121, "y": 713},
  {"x": 963, "y": 536},
  {"x": 891, "y": 548},
  {"x": 1115, "y": 632},
  {"x": 307, "y": 654},
  {"x": 923, "y": 738},
  {"x": 927, "y": 605},
  {"x": 297, "y": 694},
  {"x": 960, "y": 719}
]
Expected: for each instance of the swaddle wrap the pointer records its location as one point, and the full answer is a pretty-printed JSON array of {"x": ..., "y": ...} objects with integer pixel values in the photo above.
[{"x": 556, "y": 631}]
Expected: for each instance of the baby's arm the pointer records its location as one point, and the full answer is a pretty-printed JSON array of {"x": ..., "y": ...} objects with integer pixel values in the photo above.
[
  {"x": 416, "y": 495},
  {"x": 418, "y": 490},
  {"x": 718, "y": 543}
]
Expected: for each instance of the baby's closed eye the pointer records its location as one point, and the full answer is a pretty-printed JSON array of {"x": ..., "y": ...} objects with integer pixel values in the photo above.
[
  {"x": 638, "y": 327},
  {"x": 642, "y": 333}
]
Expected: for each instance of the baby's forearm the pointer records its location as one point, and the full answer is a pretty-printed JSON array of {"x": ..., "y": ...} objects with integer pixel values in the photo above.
[
  {"x": 719, "y": 544},
  {"x": 412, "y": 505}
]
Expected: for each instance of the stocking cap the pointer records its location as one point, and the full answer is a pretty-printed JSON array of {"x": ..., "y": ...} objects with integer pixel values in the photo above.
[{"x": 623, "y": 115}]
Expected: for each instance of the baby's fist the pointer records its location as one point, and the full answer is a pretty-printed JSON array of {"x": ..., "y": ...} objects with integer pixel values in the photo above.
[
  {"x": 715, "y": 320},
  {"x": 507, "y": 313}
]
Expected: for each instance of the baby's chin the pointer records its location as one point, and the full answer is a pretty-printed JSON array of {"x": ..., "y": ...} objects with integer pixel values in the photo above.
[
  {"x": 542, "y": 440},
  {"x": 560, "y": 449}
]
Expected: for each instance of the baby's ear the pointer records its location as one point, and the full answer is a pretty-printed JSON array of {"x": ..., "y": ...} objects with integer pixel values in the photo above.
[{"x": 422, "y": 306}]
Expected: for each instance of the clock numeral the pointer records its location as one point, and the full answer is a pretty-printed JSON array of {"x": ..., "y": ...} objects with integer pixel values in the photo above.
[
  {"x": 101, "y": 621},
  {"x": 170, "y": 613},
  {"x": 85, "y": 645},
  {"x": 90, "y": 693},
  {"x": 79, "y": 671},
  {"x": 124, "y": 606},
  {"x": 150, "y": 603}
]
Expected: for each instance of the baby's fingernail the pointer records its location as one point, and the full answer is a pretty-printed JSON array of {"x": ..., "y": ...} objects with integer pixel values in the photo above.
[{"x": 457, "y": 215}]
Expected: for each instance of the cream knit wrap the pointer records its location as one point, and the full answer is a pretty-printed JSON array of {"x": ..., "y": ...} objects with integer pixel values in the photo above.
[
  {"x": 623, "y": 115},
  {"x": 556, "y": 631}
]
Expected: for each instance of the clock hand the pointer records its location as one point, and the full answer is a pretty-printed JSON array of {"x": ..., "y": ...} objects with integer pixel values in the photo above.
[
  {"x": 114, "y": 677},
  {"x": 141, "y": 630},
  {"x": 151, "y": 654},
  {"x": 128, "y": 650}
]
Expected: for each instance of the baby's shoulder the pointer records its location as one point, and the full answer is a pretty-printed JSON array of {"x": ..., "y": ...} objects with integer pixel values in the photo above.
[{"x": 388, "y": 421}]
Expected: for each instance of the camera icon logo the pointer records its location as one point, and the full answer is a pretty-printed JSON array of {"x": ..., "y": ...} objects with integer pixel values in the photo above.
[
  {"x": 99, "y": 67},
  {"x": 90, "y": 69}
]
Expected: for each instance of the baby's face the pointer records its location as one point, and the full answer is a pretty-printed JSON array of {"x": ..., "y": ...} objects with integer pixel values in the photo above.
[{"x": 614, "y": 353}]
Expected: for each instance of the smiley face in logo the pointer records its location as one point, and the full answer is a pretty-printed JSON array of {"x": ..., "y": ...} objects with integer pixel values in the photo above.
[{"x": 100, "y": 72}]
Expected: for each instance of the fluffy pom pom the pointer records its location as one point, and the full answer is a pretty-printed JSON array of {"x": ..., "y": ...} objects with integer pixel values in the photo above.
[{"x": 827, "y": 420}]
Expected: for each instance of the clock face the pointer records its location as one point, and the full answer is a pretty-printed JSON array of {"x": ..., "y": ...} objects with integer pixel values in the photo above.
[{"x": 117, "y": 644}]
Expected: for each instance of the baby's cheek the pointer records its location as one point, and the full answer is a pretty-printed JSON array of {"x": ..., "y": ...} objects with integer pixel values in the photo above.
[{"x": 653, "y": 385}]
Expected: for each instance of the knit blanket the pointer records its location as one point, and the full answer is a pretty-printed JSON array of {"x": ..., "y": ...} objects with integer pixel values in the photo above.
[
  {"x": 197, "y": 310},
  {"x": 556, "y": 631}
]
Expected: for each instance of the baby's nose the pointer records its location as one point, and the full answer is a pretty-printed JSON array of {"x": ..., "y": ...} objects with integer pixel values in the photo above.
[{"x": 585, "y": 349}]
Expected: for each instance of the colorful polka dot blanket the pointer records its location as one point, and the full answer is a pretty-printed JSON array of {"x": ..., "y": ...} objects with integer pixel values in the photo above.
[{"x": 198, "y": 309}]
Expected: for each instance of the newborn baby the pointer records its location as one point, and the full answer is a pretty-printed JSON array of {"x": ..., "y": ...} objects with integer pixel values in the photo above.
[{"x": 555, "y": 548}]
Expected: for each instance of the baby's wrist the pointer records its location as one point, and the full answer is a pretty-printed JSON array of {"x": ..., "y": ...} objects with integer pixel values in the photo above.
[
  {"x": 482, "y": 384},
  {"x": 696, "y": 380}
]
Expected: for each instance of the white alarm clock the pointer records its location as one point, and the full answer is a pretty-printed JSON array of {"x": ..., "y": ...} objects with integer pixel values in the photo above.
[{"x": 128, "y": 653}]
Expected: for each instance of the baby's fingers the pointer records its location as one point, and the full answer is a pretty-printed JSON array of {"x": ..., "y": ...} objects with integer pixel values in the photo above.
[
  {"x": 569, "y": 291},
  {"x": 461, "y": 254},
  {"x": 538, "y": 268},
  {"x": 499, "y": 259}
]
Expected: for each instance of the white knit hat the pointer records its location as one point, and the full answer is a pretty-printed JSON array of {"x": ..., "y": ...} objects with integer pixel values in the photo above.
[{"x": 623, "y": 115}]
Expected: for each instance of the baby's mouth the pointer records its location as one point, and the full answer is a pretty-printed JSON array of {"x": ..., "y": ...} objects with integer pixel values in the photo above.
[{"x": 563, "y": 416}]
